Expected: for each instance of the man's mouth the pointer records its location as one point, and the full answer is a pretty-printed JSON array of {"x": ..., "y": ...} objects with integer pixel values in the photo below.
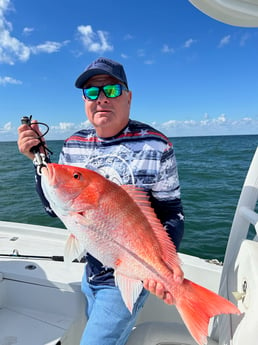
[{"x": 102, "y": 111}]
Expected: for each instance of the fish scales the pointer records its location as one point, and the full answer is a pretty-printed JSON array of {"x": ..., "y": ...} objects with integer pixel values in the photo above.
[{"x": 106, "y": 230}]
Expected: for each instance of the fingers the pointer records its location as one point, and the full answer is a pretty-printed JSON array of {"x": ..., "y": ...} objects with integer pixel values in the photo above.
[
  {"x": 168, "y": 298},
  {"x": 158, "y": 289},
  {"x": 35, "y": 127},
  {"x": 27, "y": 138},
  {"x": 178, "y": 274}
]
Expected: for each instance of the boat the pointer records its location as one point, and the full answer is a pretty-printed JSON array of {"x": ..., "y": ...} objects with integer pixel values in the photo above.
[
  {"x": 242, "y": 13},
  {"x": 41, "y": 302},
  {"x": 40, "y": 298}
]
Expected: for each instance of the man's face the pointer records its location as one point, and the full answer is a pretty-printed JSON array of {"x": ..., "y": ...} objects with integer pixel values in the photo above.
[{"x": 108, "y": 115}]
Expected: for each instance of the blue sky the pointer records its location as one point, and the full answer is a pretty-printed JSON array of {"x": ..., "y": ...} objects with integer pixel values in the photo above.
[{"x": 190, "y": 74}]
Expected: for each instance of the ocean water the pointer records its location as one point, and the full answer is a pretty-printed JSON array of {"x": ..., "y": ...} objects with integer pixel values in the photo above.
[{"x": 211, "y": 170}]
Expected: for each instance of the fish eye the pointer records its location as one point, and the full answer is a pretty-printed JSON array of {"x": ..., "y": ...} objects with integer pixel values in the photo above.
[{"x": 76, "y": 176}]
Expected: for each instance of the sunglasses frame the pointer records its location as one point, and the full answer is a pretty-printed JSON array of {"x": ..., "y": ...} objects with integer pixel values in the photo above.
[{"x": 102, "y": 88}]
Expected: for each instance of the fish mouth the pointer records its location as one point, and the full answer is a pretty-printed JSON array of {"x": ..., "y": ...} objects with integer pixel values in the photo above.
[
  {"x": 50, "y": 184},
  {"x": 48, "y": 173}
]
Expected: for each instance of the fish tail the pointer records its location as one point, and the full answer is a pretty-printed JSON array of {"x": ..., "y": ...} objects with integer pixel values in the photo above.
[{"x": 197, "y": 305}]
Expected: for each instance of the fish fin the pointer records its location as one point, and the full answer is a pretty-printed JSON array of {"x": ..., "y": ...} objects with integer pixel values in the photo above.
[
  {"x": 73, "y": 249},
  {"x": 130, "y": 289},
  {"x": 168, "y": 249},
  {"x": 197, "y": 305}
]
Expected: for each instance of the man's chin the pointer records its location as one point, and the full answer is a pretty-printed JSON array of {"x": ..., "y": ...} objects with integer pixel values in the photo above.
[{"x": 102, "y": 120}]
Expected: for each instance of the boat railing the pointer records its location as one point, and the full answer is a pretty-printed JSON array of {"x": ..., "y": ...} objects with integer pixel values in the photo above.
[
  {"x": 250, "y": 215},
  {"x": 239, "y": 254}
]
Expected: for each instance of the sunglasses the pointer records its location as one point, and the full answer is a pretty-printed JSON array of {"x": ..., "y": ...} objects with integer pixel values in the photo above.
[{"x": 110, "y": 91}]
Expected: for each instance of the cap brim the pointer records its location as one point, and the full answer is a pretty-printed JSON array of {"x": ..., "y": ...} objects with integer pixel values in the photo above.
[{"x": 85, "y": 76}]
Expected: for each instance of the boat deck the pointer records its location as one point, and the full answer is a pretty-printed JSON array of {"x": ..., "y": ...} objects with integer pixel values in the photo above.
[{"x": 40, "y": 299}]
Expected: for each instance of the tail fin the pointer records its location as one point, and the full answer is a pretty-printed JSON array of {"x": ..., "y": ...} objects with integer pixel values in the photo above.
[{"x": 197, "y": 305}]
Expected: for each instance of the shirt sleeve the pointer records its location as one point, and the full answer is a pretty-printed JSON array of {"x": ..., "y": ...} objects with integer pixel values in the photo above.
[
  {"x": 165, "y": 197},
  {"x": 42, "y": 197},
  {"x": 170, "y": 213}
]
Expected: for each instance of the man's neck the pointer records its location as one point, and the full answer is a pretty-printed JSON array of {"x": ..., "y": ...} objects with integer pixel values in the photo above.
[{"x": 106, "y": 133}]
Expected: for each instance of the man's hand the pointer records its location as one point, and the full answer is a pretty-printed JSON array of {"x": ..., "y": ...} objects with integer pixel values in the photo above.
[
  {"x": 27, "y": 139},
  {"x": 158, "y": 289}
]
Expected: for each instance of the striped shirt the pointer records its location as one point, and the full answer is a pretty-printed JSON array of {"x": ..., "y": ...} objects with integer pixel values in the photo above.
[{"x": 138, "y": 155}]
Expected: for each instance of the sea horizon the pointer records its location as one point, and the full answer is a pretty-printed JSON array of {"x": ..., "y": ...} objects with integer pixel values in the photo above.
[{"x": 176, "y": 136}]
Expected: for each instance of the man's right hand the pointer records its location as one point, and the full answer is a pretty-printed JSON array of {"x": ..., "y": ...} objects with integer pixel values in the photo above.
[{"x": 27, "y": 139}]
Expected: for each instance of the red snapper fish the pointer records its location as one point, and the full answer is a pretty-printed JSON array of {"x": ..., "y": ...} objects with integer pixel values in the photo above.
[{"x": 117, "y": 225}]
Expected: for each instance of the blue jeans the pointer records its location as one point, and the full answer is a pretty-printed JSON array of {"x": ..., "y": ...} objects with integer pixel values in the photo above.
[{"x": 109, "y": 320}]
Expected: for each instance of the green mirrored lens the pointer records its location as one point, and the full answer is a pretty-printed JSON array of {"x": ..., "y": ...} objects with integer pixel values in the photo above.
[
  {"x": 92, "y": 92},
  {"x": 112, "y": 91}
]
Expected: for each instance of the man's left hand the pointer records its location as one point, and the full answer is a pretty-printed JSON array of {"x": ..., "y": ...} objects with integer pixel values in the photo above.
[{"x": 158, "y": 290}]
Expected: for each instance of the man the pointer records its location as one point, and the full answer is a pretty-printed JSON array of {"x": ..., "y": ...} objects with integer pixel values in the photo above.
[{"x": 127, "y": 152}]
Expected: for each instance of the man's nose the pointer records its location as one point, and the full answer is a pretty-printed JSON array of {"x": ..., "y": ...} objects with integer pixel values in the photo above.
[{"x": 102, "y": 97}]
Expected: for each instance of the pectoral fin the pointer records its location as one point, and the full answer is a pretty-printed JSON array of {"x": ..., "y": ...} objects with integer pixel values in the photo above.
[{"x": 73, "y": 250}]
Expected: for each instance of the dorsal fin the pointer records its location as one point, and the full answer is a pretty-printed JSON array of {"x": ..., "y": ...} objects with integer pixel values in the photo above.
[{"x": 140, "y": 197}]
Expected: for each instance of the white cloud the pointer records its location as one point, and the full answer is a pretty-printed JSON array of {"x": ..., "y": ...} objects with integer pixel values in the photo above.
[
  {"x": 140, "y": 52},
  {"x": 4, "y": 5},
  {"x": 124, "y": 56},
  {"x": 12, "y": 49},
  {"x": 68, "y": 127},
  {"x": 8, "y": 132},
  {"x": 27, "y": 31},
  {"x": 128, "y": 37},
  {"x": 247, "y": 119},
  {"x": 48, "y": 47},
  {"x": 167, "y": 49},
  {"x": 96, "y": 42},
  {"x": 149, "y": 62},
  {"x": 64, "y": 126},
  {"x": 9, "y": 80},
  {"x": 64, "y": 129},
  {"x": 85, "y": 124},
  {"x": 220, "y": 125},
  {"x": 189, "y": 43},
  {"x": 224, "y": 41},
  {"x": 8, "y": 127},
  {"x": 243, "y": 39},
  {"x": 220, "y": 119}
]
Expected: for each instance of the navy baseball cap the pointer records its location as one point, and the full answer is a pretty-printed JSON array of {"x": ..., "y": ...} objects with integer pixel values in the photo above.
[{"x": 102, "y": 66}]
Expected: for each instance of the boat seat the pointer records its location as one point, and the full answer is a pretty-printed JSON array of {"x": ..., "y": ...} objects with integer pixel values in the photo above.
[{"x": 162, "y": 333}]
